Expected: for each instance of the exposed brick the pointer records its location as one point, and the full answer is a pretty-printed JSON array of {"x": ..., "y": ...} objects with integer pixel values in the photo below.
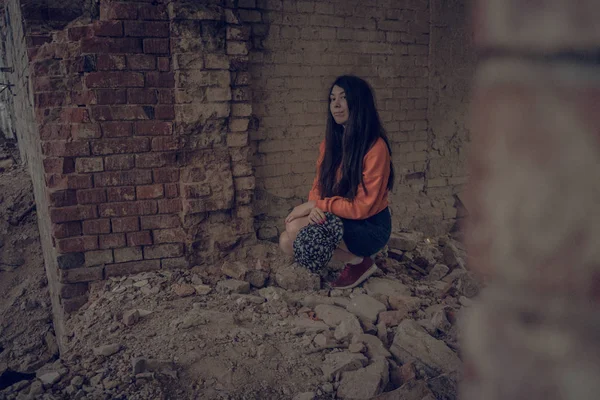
[
  {"x": 160, "y": 222},
  {"x": 155, "y": 191},
  {"x": 154, "y": 160},
  {"x": 147, "y": 29},
  {"x": 91, "y": 196},
  {"x": 57, "y": 181},
  {"x": 165, "y": 175},
  {"x": 112, "y": 10},
  {"x": 111, "y": 96},
  {"x": 108, "y": 79},
  {"x": 125, "y": 224},
  {"x": 53, "y": 165},
  {"x": 85, "y": 131},
  {"x": 116, "y": 129},
  {"x": 141, "y": 62},
  {"x": 96, "y": 226},
  {"x": 71, "y": 290},
  {"x": 142, "y": 96},
  {"x": 164, "y": 64},
  {"x": 126, "y": 193},
  {"x": 68, "y": 229},
  {"x": 120, "y": 162},
  {"x": 133, "y": 267},
  {"x": 122, "y": 112},
  {"x": 120, "y": 146},
  {"x": 171, "y": 190},
  {"x": 92, "y": 164},
  {"x": 176, "y": 235},
  {"x": 77, "y": 244},
  {"x": 153, "y": 128},
  {"x": 128, "y": 254},
  {"x": 86, "y": 274},
  {"x": 70, "y": 260},
  {"x": 98, "y": 257},
  {"x": 73, "y": 213},
  {"x": 166, "y": 143},
  {"x": 123, "y": 178},
  {"x": 108, "y": 28},
  {"x": 166, "y": 96},
  {"x": 164, "y": 112},
  {"x": 163, "y": 251},
  {"x": 160, "y": 79},
  {"x": 59, "y": 148},
  {"x": 157, "y": 12},
  {"x": 127, "y": 208},
  {"x": 62, "y": 198},
  {"x": 110, "y": 62},
  {"x": 156, "y": 46},
  {"x": 169, "y": 206},
  {"x": 141, "y": 238},
  {"x": 76, "y": 33},
  {"x": 112, "y": 241}
]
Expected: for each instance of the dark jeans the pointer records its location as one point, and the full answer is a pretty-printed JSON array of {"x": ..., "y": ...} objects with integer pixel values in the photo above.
[{"x": 365, "y": 237}]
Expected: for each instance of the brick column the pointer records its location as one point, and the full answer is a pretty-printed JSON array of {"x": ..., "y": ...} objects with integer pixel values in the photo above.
[{"x": 535, "y": 192}]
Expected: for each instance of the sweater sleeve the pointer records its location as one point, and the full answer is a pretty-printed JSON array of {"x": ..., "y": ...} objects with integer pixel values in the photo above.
[
  {"x": 314, "y": 194},
  {"x": 376, "y": 170}
]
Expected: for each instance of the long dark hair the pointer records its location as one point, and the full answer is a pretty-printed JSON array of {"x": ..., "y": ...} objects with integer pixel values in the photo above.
[{"x": 348, "y": 146}]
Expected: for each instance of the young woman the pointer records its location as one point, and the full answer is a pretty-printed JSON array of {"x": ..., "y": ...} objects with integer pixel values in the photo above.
[{"x": 347, "y": 213}]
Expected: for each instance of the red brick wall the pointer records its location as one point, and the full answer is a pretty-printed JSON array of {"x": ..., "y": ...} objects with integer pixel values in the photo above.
[{"x": 535, "y": 191}]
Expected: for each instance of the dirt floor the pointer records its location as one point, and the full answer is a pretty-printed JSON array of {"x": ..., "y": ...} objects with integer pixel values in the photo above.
[{"x": 252, "y": 327}]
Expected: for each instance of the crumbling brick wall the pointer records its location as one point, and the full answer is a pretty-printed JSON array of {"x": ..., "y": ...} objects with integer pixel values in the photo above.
[
  {"x": 133, "y": 119},
  {"x": 299, "y": 47},
  {"x": 535, "y": 190}
]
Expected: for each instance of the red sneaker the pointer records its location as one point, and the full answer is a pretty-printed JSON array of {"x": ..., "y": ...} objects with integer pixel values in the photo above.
[{"x": 355, "y": 274}]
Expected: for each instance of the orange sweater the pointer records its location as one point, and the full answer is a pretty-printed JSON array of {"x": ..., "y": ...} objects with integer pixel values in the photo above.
[{"x": 376, "y": 173}]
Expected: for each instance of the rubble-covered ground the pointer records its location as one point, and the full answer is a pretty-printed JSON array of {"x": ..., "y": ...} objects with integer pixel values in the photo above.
[{"x": 252, "y": 327}]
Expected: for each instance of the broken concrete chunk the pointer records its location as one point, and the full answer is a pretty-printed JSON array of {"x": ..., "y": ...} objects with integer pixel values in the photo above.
[
  {"x": 309, "y": 325},
  {"x": 340, "y": 362},
  {"x": 236, "y": 270},
  {"x": 437, "y": 272},
  {"x": 392, "y": 318},
  {"x": 331, "y": 315},
  {"x": 404, "y": 303},
  {"x": 257, "y": 278},
  {"x": 386, "y": 287},
  {"x": 183, "y": 289},
  {"x": 202, "y": 289},
  {"x": 364, "y": 383},
  {"x": 347, "y": 328},
  {"x": 365, "y": 307},
  {"x": 233, "y": 286},
  {"x": 404, "y": 241},
  {"x": 375, "y": 348},
  {"x": 295, "y": 278},
  {"x": 413, "y": 344},
  {"x": 107, "y": 350},
  {"x": 131, "y": 317}
]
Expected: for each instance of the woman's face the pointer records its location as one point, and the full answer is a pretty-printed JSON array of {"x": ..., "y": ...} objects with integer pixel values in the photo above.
[{"x": 338, "y": 105}]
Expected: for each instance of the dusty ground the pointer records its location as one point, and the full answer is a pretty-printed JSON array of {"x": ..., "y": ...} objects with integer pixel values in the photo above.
[{"x": 253, "y": 327}]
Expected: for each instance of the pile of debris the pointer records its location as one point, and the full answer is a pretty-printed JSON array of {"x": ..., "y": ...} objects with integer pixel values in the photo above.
[{"x": 259, "y": 327}]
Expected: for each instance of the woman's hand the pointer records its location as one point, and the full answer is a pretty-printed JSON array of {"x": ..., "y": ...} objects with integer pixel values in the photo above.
[
  {"x": 300, "y": 211},
  {"x": 316, "y": 216}
]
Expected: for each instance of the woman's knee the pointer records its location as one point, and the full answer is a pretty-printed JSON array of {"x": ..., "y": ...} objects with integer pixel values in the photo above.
[
  {"x": 292, "y": 228},
  {"x": 285, "y": 243}
]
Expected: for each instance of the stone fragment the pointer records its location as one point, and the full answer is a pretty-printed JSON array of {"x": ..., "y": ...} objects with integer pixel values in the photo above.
[
  {"x": 131, "y": 317},
  {"x": 236, "y": 270},
  {"x": 375, "y": 348},
  {"x": 365, "y": 307},
  {"x": 183, "y": 289},
  {"x": 36, "y": 388},
  {"x": 305, "y": 396},
  {"x": 364, "y": 383},
  {"x": 386, "y": 287},
  {"x": 340, "y": 362},
  {"x": 257, "y": 278},
  {"x": 233, "y": 286},
  {"x": 404, "y": 241},
  {"x": 356, "y": 347},
  {"x": 50, "y": 378},
  {"x": 437, "y": 272},
  {"x": 413, "y": 344},
  {"x": 391, "y": 318},
  {"x": 202, "y": 289},
  {"x": 347, "y": 328},
  {"x": 331, "y": 315},
  {"x": 404, "y": 303},
  {"x": 309, "y": 325},
  {"x": 413, "y": 390},
  {"x": 295, "y": 278},
  {"x": 107, "y": 350}
]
